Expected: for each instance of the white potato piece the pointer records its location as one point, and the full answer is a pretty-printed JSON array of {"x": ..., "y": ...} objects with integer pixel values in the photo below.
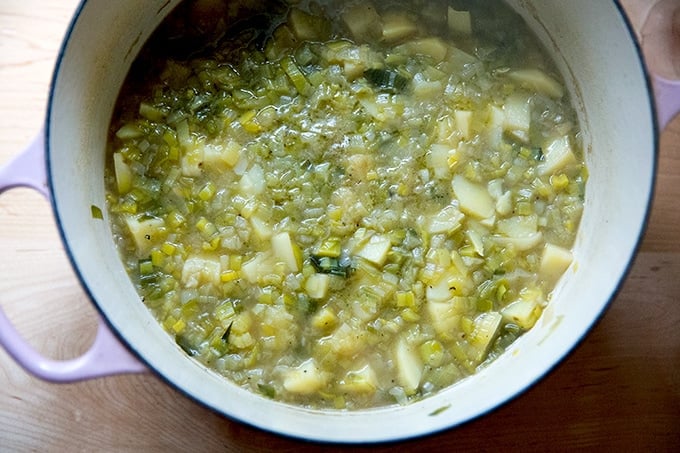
[
  {"x": 317, "y": 285},
  {"x": 523, "y": 312},
  {"x": 459, "y": 22},
  {"x": 438, "y": 160},
  {"x": 146, "y": 232},
  {"x": 252, "y": 182},
  {"x": 287, "y": 251},
  {"x": 448, "y": 220},
  {"x": 463, "y": 121},
  {"x": 363, "y": 22},
  {"x": 221, "y": 155},
  {"x": 409, "y": 366},
  {"x": 554, "y": 262},
  {"x": 198, "y": 270},
  {"x": 123, "y": 174},
  {"x": 191, "y": 162},
  {"x": 261, "y": 228},
  {"x": 360, "y": 381},
  {"x": 256, "y": 267},
  {"x": 439, "y": 291},
  {"x": 519, "y": 231},
  {"x": 474, "y": 198},
  {"x": 305, "y": 379},
  {"x": 504, "y": 203},
  {"x": 538, "y": 80},
  {"x": 444, "y": 316},
  {"x": 517, "y": 116},
  {"x": 432, "y": 47},
  {"x": 397, "y": 27},
  {"x": 495, "y": 126},
  {"x": 557, "y": 155},
  {"x": 376, "y": 249}
]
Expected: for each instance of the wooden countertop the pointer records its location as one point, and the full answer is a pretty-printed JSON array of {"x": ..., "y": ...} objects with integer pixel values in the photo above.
[{"x": 619, "y": 390}]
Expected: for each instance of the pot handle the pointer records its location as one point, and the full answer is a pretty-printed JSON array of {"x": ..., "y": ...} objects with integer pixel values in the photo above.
[
  {"x": 667, "y": 93},
  {"x": 107, "y": 355},
  {"x": 660, "y": 40}
]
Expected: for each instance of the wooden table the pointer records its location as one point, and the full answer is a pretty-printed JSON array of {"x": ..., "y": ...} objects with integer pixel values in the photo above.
[{"x": 619, "y": 390}]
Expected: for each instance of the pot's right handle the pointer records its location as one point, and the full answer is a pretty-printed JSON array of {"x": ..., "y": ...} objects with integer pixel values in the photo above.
[
  {"x": 667, "y": 93},
  {"x": 106, "y": 356},
  {"x": 660, "y": 39}
]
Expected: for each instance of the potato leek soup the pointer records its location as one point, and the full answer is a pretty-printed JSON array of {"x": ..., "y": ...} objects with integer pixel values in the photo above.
[{"x": 344, "y": 204}]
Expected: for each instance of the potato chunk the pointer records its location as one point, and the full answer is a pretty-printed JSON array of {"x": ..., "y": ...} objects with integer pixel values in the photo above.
[
  {"x": 305, "y": 379},
  {"x": 558, "y": 154},
  {"x": 287, "y": 251},
  {"x": 538, "y": 80},
  {"x": 409, "y": 366},
  {"x": 554, "y": 262},
  {"x": 397, "y": 27},
  {"x": 198, "y": 270},
  {"x": 146, "y": 232},
  {"x": 474, "y": 199},
  {"x": 363, "y": 22},
  {"x": 376, "y": 249}
]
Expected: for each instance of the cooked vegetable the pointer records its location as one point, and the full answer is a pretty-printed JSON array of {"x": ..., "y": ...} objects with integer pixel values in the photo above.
[
  {"x": 409, "y": 366},
  {"x": 474, "y": 199},
  {"x": 386, "y": 80},
  {"x": 460, "y": 22},
  {"x": 345, "y": 204},
  {"x": 397, "y": 27},
  {"x": 539, "y": 81},
  {"x": 363, "y": 22},
  {"x": 96, "y": 212},
  {"x": 329, "y": 265},
  {"x": 554, "y": 261}
]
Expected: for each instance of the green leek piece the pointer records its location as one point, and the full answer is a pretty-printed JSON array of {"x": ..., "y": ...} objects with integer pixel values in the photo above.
[
  {"x": 386, "y": 80},
  {"x": 330, "y": 265},
  {"x": 296, "y": 76},
  {"x": 96, "y": 212}
]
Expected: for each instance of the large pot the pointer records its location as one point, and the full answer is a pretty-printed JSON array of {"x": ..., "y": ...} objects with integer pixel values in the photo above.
[{"x": 613, "y": 95}]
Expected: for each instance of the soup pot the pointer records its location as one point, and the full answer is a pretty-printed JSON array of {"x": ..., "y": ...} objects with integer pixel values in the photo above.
[{"x": 621, "y": 121}]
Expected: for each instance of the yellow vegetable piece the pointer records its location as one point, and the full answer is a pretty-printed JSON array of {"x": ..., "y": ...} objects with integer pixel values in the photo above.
[{"x": 474, "y": 198}]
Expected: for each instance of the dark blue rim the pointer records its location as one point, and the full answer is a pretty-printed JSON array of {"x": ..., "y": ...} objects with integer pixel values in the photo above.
[{"x": 560, "y": 361}]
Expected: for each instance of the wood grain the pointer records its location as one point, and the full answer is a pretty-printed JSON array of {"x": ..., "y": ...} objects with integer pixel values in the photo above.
[{"x": 619, "y": 390}]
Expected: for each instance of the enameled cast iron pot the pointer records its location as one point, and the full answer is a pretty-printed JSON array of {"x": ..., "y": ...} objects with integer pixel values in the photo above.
[{"x": 594, "y": 47}]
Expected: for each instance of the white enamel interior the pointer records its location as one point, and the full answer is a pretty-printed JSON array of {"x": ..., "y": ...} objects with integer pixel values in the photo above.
[{"x": 593, "y": 46}]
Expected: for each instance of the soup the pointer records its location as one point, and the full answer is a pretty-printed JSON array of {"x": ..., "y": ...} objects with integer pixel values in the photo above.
[{"x": 343, "y": 204}]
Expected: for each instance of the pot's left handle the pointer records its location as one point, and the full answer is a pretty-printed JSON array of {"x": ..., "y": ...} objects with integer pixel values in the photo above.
[{"x": 107, "y": 355}]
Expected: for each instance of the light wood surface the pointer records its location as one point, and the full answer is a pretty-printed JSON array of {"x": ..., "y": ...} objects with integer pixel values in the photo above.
[{"x": 618, "y": 391}]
